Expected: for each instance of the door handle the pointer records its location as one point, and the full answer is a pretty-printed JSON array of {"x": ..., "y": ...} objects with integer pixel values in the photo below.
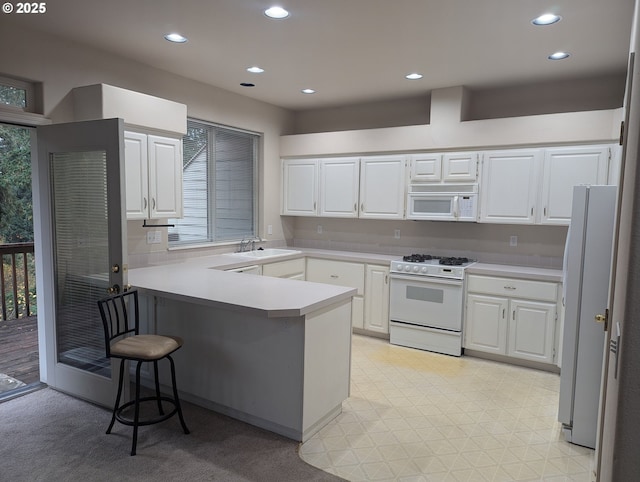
[{"x": 114, "y": 290}]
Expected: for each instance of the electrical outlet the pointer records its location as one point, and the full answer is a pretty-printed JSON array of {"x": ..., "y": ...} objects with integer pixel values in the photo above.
[
  {"x": 396, "y": 234},
  {"x": 319, "y": 228},
  {"x": 513, "y": 241},
  {"x": 270, "y": 229},
  {"x": 154, "y": 237}
]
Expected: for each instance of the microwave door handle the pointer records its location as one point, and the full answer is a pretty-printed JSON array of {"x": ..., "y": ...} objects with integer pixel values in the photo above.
[{"x": 456, "y": 207}]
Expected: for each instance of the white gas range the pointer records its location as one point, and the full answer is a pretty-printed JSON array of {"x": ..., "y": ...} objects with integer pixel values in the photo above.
[{"x": 426, "y": 303}]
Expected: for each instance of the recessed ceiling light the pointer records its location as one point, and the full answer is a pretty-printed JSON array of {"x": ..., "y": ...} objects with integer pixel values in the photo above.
[
  {"x": 413, "y": 76},
  {"x": 546, "y": 19},
  {"x": 255, "y": 70},
  {"x": 308, "y": 91},
  {"x": 276, "y": 12},
  {"x": 558, "y": 56},
  {"x": 176, "y": 38},
  {"x": 247, "y": 84}
]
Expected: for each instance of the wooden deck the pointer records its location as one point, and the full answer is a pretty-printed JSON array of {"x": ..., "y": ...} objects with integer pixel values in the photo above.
[{"x": 19, "y": 349}]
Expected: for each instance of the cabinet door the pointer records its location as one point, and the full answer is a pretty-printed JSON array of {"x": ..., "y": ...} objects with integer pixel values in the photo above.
[
  {"x": 486, "y": 324},
  {"x": 426, "y": 167},
  {"x": 291, "y": 268},
  {"x": 460, "y": 166},
  {"x": 339, "y": 183},
  {"x": 382, "y": 187},
  {"x": 341, "y": 273},
  {"x": 299, "y": 187},
  {"x": 165, "y": 177},
  {"x": 376, "y": 299},
  {"x": 508, "y": 188},
  {"x": 531, "y": 330},
  {"x": 564, "y": 168},
  {"x": 136, "y": 175}
]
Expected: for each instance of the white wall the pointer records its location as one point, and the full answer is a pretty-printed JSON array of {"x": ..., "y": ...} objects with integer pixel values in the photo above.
[{"x": 62, "y": 65}]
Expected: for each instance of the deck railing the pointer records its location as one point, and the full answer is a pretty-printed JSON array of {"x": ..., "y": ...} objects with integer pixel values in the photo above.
[{"x": 17, "y": 281}]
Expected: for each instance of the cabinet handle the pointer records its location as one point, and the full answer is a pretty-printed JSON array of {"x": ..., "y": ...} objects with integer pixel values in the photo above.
[
  {"x": 145, "y": 202},
  {"x": 334, "y": 276},
  {"x": 362, "y": 207},
  {"x": 513, "y": 315},
  {"x": 355, "y": 207},
  {"x": 503, "y": 312},
  {"x": 386, "y": 279},
  {"x": 314, "y": 206},
  {"x": 532, "y": 211},
  {"x": 544, "y": 211},
  {"x": 510, "y": 288},
  {"x": 153, "y": 203}
]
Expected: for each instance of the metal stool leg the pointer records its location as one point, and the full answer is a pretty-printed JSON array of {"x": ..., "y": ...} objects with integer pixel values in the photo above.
[
  {"x": 155, "y": 372},
  {"x": 136, "y": 417},
  {"x": 117, "y": 403},
  {"x": 175, "y": 395}
]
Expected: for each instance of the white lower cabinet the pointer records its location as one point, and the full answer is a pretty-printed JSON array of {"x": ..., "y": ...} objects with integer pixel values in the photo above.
[
  {"x": 291, "y": 269},
  {"x": 341, "y": 273},
  {"x": 511, "y": 317},
  {"x": 376, "y": 299}
]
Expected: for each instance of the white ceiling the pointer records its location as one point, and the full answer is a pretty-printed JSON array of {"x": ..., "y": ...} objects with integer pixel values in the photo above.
[{"x": 351, "y": 51}]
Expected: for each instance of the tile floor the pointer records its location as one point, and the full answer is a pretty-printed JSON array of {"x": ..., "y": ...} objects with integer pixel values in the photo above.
[{"x": 420, "y": 416}]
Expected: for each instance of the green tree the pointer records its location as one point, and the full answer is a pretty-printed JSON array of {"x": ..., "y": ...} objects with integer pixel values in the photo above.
[{"x": 16, "y": 211}]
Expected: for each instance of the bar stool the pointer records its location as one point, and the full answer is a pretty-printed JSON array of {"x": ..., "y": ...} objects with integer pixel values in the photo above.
[{"x": 121, "y": 322}]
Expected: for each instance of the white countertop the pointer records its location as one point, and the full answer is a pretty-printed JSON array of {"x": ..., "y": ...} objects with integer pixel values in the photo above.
[
  {"x": 202, "y": 280},
  {"x": 195, "y": 282},
  {"x": 524, "y": 272}
]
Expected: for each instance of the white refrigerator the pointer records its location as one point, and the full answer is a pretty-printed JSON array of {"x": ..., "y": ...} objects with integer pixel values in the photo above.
[{"x": 587, "y": 268}]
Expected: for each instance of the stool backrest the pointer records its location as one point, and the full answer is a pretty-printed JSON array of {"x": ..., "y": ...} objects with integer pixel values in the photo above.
[{"x": 120, "y": 316}]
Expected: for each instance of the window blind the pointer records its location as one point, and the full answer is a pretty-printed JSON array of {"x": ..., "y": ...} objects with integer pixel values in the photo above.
[{"x": 219, "y": 183}]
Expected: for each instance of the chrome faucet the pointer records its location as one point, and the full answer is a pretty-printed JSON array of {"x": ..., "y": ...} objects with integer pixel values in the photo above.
[{"x": 244, "y": 245}]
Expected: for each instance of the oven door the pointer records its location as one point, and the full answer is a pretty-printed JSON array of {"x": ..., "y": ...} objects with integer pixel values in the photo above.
[{"x": 426, "y": 301}]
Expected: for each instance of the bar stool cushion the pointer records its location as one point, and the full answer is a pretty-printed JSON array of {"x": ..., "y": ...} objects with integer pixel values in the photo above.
[{"x": 146, "y": 347}]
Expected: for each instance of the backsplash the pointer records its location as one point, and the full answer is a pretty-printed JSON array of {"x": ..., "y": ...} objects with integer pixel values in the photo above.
[{"x": 537, "y": 246}]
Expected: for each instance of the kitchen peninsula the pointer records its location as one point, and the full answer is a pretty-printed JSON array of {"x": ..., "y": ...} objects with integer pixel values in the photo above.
[{"x": 271, "y": 352}]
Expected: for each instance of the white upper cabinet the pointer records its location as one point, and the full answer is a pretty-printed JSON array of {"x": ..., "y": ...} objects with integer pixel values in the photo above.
[
  {"x": 460, "y": 167},
  {"x": 426, "y": 167},
  {"x": 300, "y": 187},
  {"x": 339, "y": 186},
  {"x": 564, "y": 168},
  {"x": 535, "y": 186},
  {"x": 382, "y": 187},
  {"x": 165, "y": 177},
  {"x": 449, "y": 167},
  {"x": 508, "y": 186},
  {"x": 153, "y": 173}
]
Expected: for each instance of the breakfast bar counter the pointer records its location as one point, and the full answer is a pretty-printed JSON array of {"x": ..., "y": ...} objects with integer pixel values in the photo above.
[{"x": 272, "y": 352}]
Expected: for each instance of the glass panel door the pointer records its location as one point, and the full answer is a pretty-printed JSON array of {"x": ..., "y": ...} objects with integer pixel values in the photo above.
[
  {"x": 79, "y": 191},
  {"x": 82, "y": 249}
]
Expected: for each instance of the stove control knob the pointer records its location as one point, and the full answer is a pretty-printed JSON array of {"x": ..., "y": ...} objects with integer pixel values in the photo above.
[
  {"x": 399, "y": 267},
  {"x": 416, "y": 269},
  {"x": 424, "y": 269},
  {"x": 407, "y": 268}
]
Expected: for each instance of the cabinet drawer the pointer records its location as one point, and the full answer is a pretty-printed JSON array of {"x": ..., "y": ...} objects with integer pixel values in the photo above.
[
  {"x": 284, "y": 269},
  {"x": 512, "y": 287},
  {"x": 341, "y": 273}
]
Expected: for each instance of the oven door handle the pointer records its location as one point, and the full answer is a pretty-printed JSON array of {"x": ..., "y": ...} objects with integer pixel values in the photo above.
[{"x": 426, "y": 279}]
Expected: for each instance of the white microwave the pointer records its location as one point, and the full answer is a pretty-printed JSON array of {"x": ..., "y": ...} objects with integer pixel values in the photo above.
[{"x": 443, "y": 202}]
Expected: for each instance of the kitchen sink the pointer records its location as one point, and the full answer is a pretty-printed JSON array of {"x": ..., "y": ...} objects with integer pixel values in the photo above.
[{"x": 264, "y": 253}]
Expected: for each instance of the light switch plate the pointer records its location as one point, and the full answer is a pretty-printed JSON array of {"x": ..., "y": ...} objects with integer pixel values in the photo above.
[{"x": 513, "y": 241}]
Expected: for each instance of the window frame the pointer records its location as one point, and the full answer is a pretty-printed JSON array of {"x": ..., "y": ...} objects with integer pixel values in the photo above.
[
  {"x": 29, "y": 90},
  {"x": 212, "y": 127}
]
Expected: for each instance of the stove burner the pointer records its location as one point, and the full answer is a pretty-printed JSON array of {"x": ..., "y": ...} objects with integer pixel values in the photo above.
[
  {"x": 418, "y": 258},
  {"x": 454, "y": 261}
]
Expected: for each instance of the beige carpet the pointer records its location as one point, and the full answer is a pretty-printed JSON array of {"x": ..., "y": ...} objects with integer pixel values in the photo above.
[{"x": 49, "y": 436}]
